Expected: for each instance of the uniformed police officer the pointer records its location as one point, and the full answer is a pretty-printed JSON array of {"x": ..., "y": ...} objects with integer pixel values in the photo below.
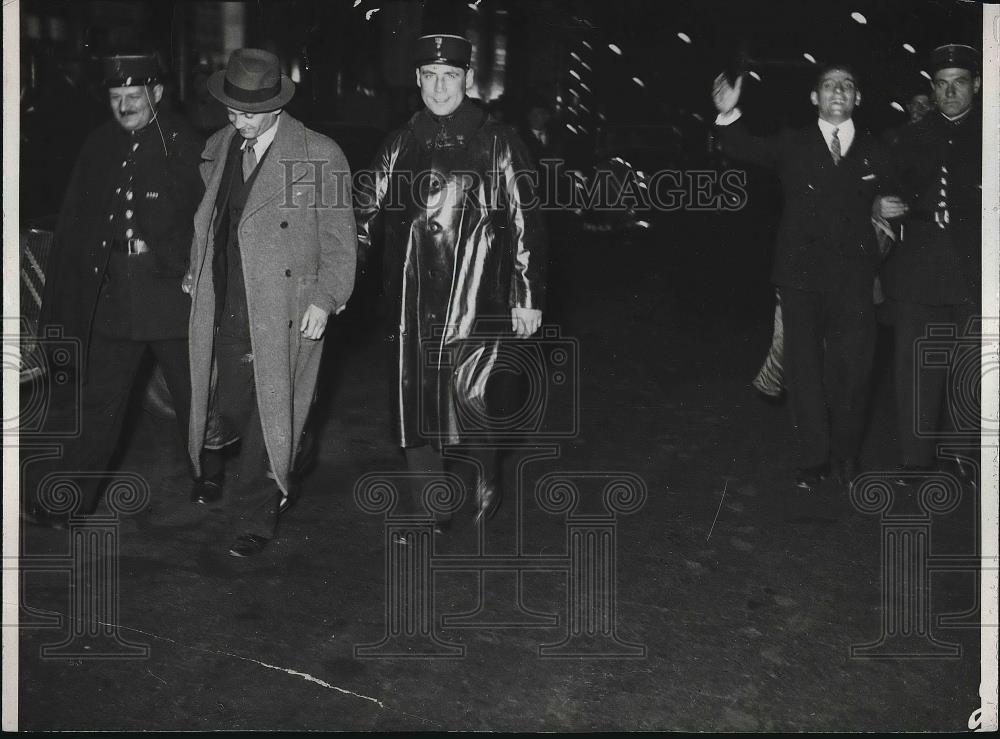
[
  {"x": 120, "y": 249},
  {"x": 934, "y": 276},
  {"x": 465, "y": 252}
]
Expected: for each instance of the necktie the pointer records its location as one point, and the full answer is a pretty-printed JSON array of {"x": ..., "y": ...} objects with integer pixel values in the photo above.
[
  {"x": 835, "y": 147},
  {"x": 249, "y": 159}
]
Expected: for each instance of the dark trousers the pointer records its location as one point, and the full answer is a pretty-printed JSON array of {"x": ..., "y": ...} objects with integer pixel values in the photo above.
[
  {"x": 107, "y": 385},
  {"x": 425, "y": 463},
  {"x": 829, "y": 345},
  {"x": 934, "y": 373},
  {"x": 255, "y": 496}
]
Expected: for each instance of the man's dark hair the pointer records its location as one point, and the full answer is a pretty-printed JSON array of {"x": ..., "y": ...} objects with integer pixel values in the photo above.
[{"x": 825, "y": 69}]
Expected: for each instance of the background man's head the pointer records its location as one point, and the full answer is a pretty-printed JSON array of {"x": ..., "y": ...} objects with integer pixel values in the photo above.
[
  {"x": 918, "y": 106},
  {"x": 253, "y": 89},
  {"x": 836, "y": 93},
  {"x": 955, "y": 79},
  {"x": 134, "y": 89},
  {"x": 443, "y": 73}
]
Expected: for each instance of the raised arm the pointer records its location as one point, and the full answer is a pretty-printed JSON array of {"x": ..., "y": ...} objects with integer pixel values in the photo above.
[{"x": 735, "y": 139}]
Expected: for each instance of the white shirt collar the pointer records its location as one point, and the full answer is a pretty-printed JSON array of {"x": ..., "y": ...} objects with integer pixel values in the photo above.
[
  {"x": 264, "y": 140},
  {"x": 845, "y": 132}
]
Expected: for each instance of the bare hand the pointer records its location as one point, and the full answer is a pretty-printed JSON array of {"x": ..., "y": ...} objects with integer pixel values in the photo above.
[
  {"x": 313, "y": 323},
  {"x": 892, "y": 206},
  {"x": 525, "y": 321},
  {"x": 724, "y": 95},
  {"x": 187, "y": 284}
]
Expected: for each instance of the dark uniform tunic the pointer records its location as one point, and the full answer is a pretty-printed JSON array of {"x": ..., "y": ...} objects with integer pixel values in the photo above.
[
  {"x": 934, "y": 276},
  {"x": 145, "y": 184},
  {"x": 120, "y": 250}
]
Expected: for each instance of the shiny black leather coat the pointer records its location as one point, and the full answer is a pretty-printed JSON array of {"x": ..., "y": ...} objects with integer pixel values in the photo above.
[{"x": 464, "y": 243}]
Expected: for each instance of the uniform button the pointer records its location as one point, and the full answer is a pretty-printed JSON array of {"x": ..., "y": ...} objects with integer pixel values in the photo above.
[
  {"x": 288, "y": 273},
  {"x": 435, "y": 227},
  {"x": 128, "y": 195},
  {"x": 111, "y": 217},
  {"x": 942, "y": 204},
  {"x": 135, "y": 146},
  {"x": 95, "y": 270},
  {"x": 943, "y": 192},
  {"x": 944, "y": 169},
  {"x": 284, "y": 224},
  {"x": 118, "y": 191},
  {"x": 128, "y": 214},
  {"x": 104, "y": 243},
  {"x": 944, "y": 181},
  {"x": 124, "y": 163}
]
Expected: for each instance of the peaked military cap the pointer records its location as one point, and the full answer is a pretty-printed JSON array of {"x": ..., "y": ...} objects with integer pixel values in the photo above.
[
  {"x": 128, "y": 70},
  {"x": 443, "y": 48},
  {"x": 955, "y": 55}
]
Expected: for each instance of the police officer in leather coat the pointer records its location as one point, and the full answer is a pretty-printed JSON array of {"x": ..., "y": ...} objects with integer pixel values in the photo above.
[{"x": 463, "y": 262}]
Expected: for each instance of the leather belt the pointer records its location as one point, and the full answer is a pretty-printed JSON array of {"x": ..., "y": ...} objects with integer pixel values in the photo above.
[{"x": 132, "y": 247}]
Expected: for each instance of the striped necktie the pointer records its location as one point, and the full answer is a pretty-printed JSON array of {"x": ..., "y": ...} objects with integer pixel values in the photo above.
[
  {"x": 835, "y": 147},
  {"x": 249, "y": 159}
]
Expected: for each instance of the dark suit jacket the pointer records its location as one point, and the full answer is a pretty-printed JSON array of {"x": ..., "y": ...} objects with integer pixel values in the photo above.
[
  {"x": 931, "y": 265},
  {"x": 826, "y": 241}
]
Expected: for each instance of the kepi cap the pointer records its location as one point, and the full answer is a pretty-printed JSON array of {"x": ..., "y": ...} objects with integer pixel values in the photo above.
[
  {"x": 955, "y": 55},
  {"x": 128, "y": 70},
  {"x": 443, "y": 48}
]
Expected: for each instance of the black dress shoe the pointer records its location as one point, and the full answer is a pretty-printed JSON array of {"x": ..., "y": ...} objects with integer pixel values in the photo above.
[
  {"x": 207, "y": 491},
  {"x": 961, "y": 468},
  {"x": 488, "y": 496},
  {"x": 808, "y": 478},
  {"x": 247, "y": 545},
  {"x": 442, "y": 527}
]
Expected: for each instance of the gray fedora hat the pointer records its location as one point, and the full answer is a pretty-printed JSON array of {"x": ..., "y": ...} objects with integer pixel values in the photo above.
[{"x": 252, "y": 82}]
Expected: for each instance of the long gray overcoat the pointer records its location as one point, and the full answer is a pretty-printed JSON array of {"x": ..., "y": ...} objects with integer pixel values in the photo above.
[{"x": 299, "y": 247}]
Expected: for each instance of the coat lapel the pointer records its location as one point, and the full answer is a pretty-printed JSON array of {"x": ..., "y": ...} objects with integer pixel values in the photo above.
[
  {"x": 214, "y": 157},
  {"x": 288, "y": 147}
]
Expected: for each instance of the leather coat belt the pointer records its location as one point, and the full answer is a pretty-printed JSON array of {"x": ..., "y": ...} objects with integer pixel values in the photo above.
[{"x": 132, "y": 247}]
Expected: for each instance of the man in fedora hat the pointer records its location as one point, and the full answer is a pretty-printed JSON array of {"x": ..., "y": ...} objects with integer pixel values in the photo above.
[
  {"x": 463, "y": 267},
  {"x": 273, "y": 255},
  {"x": 120, "y": 251},
  {"x": 934, "y": 275}
]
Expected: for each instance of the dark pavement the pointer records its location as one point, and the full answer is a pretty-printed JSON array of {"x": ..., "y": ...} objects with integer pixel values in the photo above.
[{"x": 744, "y": 594}]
